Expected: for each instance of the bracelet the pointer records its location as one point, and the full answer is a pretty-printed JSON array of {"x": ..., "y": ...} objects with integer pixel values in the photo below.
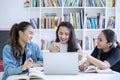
[{"x": 82, "y": 60}]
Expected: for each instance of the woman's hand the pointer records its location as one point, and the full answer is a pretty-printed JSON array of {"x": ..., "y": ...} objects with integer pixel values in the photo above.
[
  {"x": 27, "y": 64},
  {"x": 84, "y": 66},
  {"x": 36, "y": 65},
  {"x": 54, "y": 47}
]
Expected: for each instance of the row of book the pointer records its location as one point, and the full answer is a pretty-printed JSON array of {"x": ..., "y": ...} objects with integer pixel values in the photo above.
[
  {"x": 96, "y": 3},
  {"x": 76, "y": 19},
  {"x": 35, "y": 3},
  {"x": 45, "y": 44},
  {"x": 99, "y": 22},
  {"x": 51, "y": 3},
  {"x": 96, "y": 22},
  {"x": 50, "y": 23},
  {"x": 90, "y": 43},
  {"x": 91, "y": 23},
  {"x": 73, "y": 3},
  {"x": 69, "y": 3},
  {"x": 45, "y": 23}
]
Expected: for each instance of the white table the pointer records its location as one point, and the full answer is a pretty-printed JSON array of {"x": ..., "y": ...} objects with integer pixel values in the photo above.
[{"x": 81, "y": 76}]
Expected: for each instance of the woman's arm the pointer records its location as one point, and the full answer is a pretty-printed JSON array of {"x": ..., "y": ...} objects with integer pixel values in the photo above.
[
  {"x": 98, "y": 63},
  {"x": 11, "y": 66},
  {"x": 92, "y": 60}
]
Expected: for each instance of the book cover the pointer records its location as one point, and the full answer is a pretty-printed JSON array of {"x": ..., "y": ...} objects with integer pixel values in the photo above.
[
  {"x": 109, "y": 3},
  {"x": 36, "y": 72},
  {"x": 111, "y": 22},
  {"x": 33, "y": 23},
  {"x": 91, "y": 68},
  {"x": 114, "y": 3}
]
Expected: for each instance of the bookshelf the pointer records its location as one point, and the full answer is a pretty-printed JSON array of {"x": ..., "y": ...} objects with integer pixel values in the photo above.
[{"x": 88, "y": 17}]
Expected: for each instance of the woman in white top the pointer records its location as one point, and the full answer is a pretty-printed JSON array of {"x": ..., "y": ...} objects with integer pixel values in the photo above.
[{"x": 65, "y": 39}]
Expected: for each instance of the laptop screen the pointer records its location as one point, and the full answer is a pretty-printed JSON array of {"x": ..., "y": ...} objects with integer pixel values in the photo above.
[{"x": 60, "y": 63}]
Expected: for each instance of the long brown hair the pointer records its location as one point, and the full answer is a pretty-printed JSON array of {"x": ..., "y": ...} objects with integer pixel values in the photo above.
[{"x": 14, "y": 36}]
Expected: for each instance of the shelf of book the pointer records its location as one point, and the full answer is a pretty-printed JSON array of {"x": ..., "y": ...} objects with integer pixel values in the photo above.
[{"x": 88, "y": 17}]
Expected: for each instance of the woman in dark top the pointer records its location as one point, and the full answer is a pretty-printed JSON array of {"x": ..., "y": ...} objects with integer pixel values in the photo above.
[{"x": 106, "y": 54}]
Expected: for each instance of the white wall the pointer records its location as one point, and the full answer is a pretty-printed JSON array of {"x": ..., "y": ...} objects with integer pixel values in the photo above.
[
  {"x": 118, "y": 15},
  {"x": 12, "y": 11}
]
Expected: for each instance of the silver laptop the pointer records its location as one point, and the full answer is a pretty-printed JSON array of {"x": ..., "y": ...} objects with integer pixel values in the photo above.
[{"x": 60, "y": 63}]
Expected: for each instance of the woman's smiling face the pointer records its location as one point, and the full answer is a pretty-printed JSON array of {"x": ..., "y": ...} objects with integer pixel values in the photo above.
[{"x": 63, "y": 34}]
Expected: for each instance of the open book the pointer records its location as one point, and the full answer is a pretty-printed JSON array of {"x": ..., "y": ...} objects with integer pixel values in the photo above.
[
  {"x": 33, "y": 73},
  {"x": 94, "y": 69}
]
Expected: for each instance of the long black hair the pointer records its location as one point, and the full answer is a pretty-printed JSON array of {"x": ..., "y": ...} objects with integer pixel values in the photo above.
[
  {"x": 111, "y": 37},
  {"x": 72, "y": 42}
]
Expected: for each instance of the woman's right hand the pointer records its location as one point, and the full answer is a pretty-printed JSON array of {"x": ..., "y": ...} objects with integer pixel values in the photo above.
[
  {"x": 54, "y": 47},
  {"x": 84, "y": 66},
  {"x": 27, "y": 64}
]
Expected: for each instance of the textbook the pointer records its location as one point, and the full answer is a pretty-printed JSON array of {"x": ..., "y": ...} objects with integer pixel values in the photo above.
[
  {"x": 94, "y": 69},
  {"x": 33, "y": 73}
]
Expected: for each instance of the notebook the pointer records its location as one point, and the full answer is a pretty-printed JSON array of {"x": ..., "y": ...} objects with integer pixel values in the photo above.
[{"x": 60, "y": 63}]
